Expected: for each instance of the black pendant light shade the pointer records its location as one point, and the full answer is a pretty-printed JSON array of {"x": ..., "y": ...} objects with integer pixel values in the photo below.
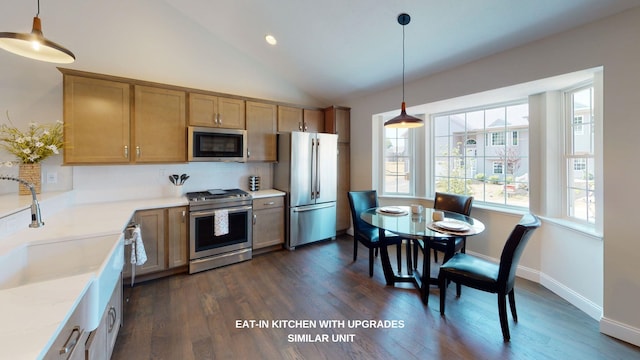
[
  {"x": 34, "y": 45},
  {"x": 403, "y": 120}
]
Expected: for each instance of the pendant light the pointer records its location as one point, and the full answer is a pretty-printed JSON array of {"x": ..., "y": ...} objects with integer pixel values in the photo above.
[
  {"x": 35, "y": 45},
  {"x": 403, "y": 120}
]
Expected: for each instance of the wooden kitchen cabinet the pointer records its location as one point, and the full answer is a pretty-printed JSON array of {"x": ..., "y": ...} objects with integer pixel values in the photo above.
[
  {"x": 105, "y": 124},
  {"x": 215, "y": 111},
  {"x": 313, "y": 120},
  {"x": 337, "y": 121},
  {"x": 298, "y": 119},
  {"x": 165, "y": 238},
  {"x": 268, "y": 224},
  {"x": 289, "y": 119},
  {"x": 96, "y": 121},
  {"x": 177, "y": 239},
  {"x": 160, "y": 125},
  {"x": 101, "y": 341},
  {"x": 262, "y": 130}
]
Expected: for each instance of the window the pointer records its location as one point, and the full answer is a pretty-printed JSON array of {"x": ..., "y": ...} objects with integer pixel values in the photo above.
[
  {"x": 398, "y": 161},
  {"x": 495, "y": 172},
  {"x": 580, "y": 154}
]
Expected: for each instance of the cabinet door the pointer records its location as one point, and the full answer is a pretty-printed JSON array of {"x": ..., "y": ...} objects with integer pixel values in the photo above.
[
  {"x": 268, "y": 222},
  {"x": 178, "y": 242},
  {"x": 113, "y": 317},
  {"x": 96, "y": 121},
  {"x": 203, "y": 110},
  {"x": 160, "y": 125},
  {"x": 261, "y": 131},
  {"x": 152, "y": 225},
  {"x": 289, "y": 119},
  {"x": 343, "y": 213},
  {"x": 231, "y": 113},
  {"x": 313, "y": 120},
  {"x": 337, "y": 121}
]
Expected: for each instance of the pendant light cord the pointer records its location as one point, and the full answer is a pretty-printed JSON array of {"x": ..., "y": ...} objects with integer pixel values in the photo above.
[
  {"x": 402, "y": 62},
  {"x": 38, "y": 13}
]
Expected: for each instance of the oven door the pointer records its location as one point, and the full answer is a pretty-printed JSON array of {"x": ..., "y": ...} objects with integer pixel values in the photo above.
[{"x": 204, "y": 242}]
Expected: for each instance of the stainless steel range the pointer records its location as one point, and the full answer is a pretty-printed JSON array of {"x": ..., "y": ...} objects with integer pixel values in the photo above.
[{"x": 220, "y": 228}]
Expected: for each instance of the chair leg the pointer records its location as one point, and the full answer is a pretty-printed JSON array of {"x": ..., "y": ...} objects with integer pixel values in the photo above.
[
  {"x": 399, "y": 256},
  {"x": 371, "y": 257},
  {"x": 435, "y": 255},
  {"x": 355, "y": 248},
  {"x": 502, "y": 311},
  {"x": 442, "y": 282},
  {"x": 415, "y": 254},
  {"x": 512, "y": 305},
  {"x": 458, "y": 289}
]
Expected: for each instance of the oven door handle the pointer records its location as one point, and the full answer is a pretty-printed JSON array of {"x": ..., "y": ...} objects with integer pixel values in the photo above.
[{"x": 230, "y": 210}]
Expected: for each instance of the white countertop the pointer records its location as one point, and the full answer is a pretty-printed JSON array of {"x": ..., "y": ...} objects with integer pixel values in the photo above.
[
  {"x": 33, "y": 314},
  {"x": 266, "y": 193}
]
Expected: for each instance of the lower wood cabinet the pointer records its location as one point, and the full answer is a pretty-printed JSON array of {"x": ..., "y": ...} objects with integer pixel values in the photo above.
[
  {"x": 101, "y": 341},
  {"x": 165, "y": 238},
  {"x": 70, "y": 343},
  {"x": 268, "y": 223}
]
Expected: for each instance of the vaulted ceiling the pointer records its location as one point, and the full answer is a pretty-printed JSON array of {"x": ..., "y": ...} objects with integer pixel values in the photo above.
[{"x": 326, "y": 50}]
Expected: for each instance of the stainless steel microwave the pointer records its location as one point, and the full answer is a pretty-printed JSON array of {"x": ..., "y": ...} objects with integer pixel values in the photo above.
[{"x": 214, "y": 144}]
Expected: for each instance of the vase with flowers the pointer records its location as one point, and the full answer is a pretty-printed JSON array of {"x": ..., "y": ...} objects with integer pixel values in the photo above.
[{"x": 30, "y": 147}]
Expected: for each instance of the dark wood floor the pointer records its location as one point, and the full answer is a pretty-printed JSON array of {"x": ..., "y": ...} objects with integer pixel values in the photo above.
[{"x": 195, "y": 316}]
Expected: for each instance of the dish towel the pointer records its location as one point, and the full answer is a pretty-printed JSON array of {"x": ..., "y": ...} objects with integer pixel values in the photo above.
[
  {"x": 221, "y": 222},
  {"x": 138, "y": 254}
]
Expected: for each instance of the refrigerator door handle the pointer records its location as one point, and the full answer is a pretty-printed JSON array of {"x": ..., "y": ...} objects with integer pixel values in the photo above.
[
  {"x": 313, "y": 207},
  {"x": 313, "y": 169},
  {"x": 318, "y": 177}
]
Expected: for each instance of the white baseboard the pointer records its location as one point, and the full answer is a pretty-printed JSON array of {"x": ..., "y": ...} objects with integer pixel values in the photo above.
[{"x": 620, "y": 331}]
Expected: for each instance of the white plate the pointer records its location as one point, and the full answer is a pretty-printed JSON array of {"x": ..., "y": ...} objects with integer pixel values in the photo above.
[
  {"x": 452, "y": 225},
  {"x": 392, "y": 210}
]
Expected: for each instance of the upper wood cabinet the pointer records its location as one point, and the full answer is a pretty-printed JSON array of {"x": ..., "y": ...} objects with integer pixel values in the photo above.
[
  {"x": 215, "y": 111},
  {"x": 337, "y": 120},
  {"x": 105, "y": 124},
  {"x": 298, "y": 119},
  {"x": 289, "y": 119},
  {"x": 262, "y": 131},
  {"x": 160, "y": 125},
  {"x": 313, "y": 120},
  {"x": 96, "y": 120}
]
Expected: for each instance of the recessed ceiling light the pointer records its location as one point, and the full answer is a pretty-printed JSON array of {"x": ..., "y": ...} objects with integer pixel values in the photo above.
[{"x": 271, "y": 40}]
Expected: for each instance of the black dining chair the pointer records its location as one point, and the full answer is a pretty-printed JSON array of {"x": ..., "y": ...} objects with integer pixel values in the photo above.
[
  {"x": 460, "y": 204},
  {"x": 484, "y": 275},
  {"x": 360, "y": 201}
]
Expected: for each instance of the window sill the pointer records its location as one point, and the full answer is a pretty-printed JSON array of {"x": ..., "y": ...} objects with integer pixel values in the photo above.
[{"x": 571, "y": 225}]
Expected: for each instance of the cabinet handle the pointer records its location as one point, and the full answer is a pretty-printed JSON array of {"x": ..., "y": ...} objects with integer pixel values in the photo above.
[
  {"x": 138, "y": 151},
  {"x": 184, "y": 215},
  {"x": 219, "y": 119},
  {"x": 71, "y": 341},
  {"x": 300, "y": 126},
  {"x": 254, "y": 219},
  {"x": 248, "y": 153},
  {"x": 126, "y": 151},
  {"x": 112, "y": 318},
  {"x": 269, "y": 203},
  {"x": 305, "y": 127}
]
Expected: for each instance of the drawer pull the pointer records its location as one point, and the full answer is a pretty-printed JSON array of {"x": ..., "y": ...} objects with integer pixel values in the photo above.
[
  {"x": 71, "y": 341},
  {"x": 269, "y": 203}
]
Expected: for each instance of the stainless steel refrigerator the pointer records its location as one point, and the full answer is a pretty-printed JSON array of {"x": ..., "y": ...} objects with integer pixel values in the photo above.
[{"x": 307, "y": 171}]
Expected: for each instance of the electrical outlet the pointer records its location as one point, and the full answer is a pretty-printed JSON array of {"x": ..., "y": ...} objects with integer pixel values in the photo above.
[{"x": 52, "y": 177}]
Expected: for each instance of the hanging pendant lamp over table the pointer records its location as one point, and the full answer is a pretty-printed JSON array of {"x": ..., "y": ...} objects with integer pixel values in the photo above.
[
  {"x": 35, "y": 45},
  {"x": 403, "y": 120}
]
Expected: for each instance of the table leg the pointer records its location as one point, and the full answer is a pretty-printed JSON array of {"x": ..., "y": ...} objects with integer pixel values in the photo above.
[{"x": 389, "y": 276}]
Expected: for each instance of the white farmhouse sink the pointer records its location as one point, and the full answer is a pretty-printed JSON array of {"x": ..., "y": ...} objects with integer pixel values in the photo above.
[{"x": 34, "y": 263}]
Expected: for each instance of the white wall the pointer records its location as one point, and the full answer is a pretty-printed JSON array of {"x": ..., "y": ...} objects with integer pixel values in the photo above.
[{"x": 566, "y": 261}]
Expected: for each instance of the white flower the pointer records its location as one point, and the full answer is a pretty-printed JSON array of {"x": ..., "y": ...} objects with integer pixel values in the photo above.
[
  {"x": 39, "y": 144},
  {"x": 26, "y": 151},
  {"x": 53, "y": 148}
]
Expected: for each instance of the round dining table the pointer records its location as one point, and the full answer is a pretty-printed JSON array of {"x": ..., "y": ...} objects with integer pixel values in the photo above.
[{"x": 419, "y": 227}]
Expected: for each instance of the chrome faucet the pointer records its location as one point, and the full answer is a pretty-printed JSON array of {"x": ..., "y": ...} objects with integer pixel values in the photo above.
[{"x": 36, "y": 218}]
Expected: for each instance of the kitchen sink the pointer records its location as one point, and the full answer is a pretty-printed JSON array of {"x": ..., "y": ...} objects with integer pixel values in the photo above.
[{"x": 35, "y": 262}]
